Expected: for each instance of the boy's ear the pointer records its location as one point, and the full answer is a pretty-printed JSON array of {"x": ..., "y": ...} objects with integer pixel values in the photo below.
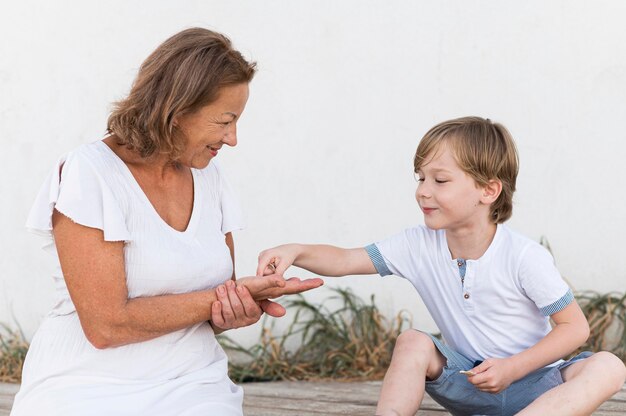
[{"x": 491, "y": 191}]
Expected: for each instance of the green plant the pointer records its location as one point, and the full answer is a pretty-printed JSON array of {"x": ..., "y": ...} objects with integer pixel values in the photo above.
[
  {"x": 13, "y": 350},
  {"x": 353, "y": 342}
]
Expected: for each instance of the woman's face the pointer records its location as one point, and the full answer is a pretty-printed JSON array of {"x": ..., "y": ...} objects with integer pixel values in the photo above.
[{"x": 214, "y": 125}]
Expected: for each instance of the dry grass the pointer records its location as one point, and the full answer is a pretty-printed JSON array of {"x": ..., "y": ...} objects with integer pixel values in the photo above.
[
  {"x": 606, "y": 314},
  {"x": 13, "y": 349},
  {"x": 354, "y": 342}
]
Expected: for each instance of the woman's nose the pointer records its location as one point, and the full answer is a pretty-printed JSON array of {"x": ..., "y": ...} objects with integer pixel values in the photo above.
[{"x": 231, "y": 137}]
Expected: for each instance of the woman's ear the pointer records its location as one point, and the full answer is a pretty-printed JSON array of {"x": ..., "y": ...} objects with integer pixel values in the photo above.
[{"x": 491, "y": 191}]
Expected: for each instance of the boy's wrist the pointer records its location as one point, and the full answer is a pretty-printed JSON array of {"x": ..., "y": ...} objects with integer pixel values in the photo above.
[
  {"x": 298, "y": 250},
  {"x": 518, "y": 366}
]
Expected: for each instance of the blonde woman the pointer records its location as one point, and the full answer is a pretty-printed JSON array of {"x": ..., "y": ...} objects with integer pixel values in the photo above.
[{"x": 141, "y": 223}]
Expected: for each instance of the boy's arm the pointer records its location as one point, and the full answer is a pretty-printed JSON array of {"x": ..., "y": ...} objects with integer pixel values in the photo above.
[
  {"x": 570, "y": 332},
  {"x": 324, "y": 260}
]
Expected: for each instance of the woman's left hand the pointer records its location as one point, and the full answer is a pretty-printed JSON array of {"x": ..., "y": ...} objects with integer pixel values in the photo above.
[{"x": 235, "y": 308}]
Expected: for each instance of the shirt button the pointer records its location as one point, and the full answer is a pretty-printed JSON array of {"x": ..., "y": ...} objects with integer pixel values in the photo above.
[
  {"x": 459, "y": 264},
  {"x": 466, "y": 296}
]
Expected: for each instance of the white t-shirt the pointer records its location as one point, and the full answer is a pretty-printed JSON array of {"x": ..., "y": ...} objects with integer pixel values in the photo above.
[
  {"x": 501, "y": 306},
  {"x": 180, "y": 373}
]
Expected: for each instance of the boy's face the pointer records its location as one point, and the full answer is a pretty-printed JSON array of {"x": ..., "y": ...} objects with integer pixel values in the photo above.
[{"x": 449, "y": 198}]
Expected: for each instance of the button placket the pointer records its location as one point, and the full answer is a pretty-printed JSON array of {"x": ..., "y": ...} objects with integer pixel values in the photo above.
[{"x": 468, "y": 285}]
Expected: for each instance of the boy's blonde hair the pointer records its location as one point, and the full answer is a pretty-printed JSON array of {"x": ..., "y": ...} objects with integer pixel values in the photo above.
[{"x": 483, "y": 149}]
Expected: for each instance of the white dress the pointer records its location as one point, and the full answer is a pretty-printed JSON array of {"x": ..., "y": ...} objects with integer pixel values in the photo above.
[{"x": 183, "y": 373}]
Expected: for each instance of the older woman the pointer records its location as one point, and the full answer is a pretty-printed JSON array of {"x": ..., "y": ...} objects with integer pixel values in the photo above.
[{"x": 141, "y": 225}]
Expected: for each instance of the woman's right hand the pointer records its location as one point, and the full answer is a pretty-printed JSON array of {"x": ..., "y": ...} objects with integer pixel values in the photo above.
[
  {"x": 260, "y": 290},
  {"x": 277, "y": 260},
  {"x": 235, "y": 308}
]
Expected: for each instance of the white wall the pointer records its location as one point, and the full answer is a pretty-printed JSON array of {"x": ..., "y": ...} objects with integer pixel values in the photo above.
[{"x": 343, "y": 94}]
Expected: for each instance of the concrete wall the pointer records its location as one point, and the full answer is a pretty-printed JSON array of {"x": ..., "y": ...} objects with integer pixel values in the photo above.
[{"x": 343, "y": 94}]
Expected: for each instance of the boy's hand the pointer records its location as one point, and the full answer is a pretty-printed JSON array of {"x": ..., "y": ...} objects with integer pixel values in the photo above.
[
  {"x": 493, "y": 375},
  {"x": 276, "y": 260},
  {"x": 261, "y": 290}
]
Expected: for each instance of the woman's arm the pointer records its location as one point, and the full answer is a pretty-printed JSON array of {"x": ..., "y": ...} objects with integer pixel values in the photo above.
[
  {"x": 94, "y": 273},
  {"x": 324, "y": 260}
]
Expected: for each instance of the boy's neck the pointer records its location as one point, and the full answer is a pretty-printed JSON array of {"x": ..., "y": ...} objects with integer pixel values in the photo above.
[{"x": 470, "y": 244}]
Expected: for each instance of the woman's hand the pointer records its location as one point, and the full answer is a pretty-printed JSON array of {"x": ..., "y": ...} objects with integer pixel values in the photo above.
[
  {"x": 260, "y": 290},
  {"x": 235, "y": 308},
  {"x": 276, "y": 260}
]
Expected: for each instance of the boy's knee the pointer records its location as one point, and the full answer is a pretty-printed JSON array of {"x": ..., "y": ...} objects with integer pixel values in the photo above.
[
  {"x": 415, "y": 343},
  {"x": 615, "y": 367},
  {"x": 612, "y": 368}
]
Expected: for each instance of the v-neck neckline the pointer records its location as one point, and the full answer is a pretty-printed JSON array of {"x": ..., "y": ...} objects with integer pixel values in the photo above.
[{"x": 191, "y": 223}]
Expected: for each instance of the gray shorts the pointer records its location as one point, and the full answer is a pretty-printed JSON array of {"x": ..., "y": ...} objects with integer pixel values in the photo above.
[{"x": 452, "y": 390}]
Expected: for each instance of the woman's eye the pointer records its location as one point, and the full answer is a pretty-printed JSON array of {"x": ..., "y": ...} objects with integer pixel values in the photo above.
[{"x": 441, "y": 180}]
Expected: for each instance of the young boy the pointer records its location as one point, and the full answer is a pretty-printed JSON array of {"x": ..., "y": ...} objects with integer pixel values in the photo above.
[{"x": 490, "y": 291}]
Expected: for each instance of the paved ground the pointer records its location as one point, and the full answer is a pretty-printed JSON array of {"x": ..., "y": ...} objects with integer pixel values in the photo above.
[{"x": 298, "y": 398}]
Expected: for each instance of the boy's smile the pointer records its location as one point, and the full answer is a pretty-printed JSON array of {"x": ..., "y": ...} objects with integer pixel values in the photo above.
[{"x": 449, "y": 198}]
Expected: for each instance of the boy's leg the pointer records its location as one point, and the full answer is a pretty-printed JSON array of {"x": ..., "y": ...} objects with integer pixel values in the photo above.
[
  {"x": 415, "y": 358},
  {"x": 587, "y": 384}
]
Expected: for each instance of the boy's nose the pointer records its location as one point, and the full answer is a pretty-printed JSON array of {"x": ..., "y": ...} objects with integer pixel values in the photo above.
[{"x": 422, "y": 191}]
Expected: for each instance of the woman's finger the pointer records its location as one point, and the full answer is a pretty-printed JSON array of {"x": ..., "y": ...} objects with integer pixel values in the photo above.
[
  {"x": 272, "y": 308},
  {"x": 296, "y": 285},
  {"x": 235, "y": 302},
  {"x": 227, "y": 311},
  {"x": 216, "y": 314},
  {"x": 250, "y": 307}
]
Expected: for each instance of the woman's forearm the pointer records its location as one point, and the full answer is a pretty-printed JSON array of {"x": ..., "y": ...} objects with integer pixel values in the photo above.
[{"x": 145, "y": 318}]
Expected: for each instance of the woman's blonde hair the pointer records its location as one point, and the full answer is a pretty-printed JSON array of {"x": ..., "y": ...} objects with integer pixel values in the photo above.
[
  {"x": 182, "y": 75},
  {"x": 483, "y": 149}
]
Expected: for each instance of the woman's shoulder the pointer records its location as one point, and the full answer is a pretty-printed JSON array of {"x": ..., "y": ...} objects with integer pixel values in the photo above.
[{"x": 95, "y": 152}]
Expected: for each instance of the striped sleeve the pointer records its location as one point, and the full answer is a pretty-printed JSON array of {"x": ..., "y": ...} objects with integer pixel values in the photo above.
[
  {"x": 377, "y": 259},
  {"x": 559, "y": 305}
]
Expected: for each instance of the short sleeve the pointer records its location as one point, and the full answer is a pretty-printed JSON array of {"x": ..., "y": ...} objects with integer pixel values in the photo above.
[
  {"x": 542, "y": 282},
  {"x": 232, "y": 216},
  {"x": 398, "y": 254},
  {"x": 78, "y": 191}
]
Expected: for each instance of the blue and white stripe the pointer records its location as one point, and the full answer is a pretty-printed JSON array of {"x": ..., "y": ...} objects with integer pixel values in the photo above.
[
  {"x": 559, "y": 305},
  {"x": 377, "y": 259}
]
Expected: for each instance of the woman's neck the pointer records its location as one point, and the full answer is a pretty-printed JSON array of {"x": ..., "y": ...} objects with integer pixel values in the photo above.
[{"x": 157, "y": 165}]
